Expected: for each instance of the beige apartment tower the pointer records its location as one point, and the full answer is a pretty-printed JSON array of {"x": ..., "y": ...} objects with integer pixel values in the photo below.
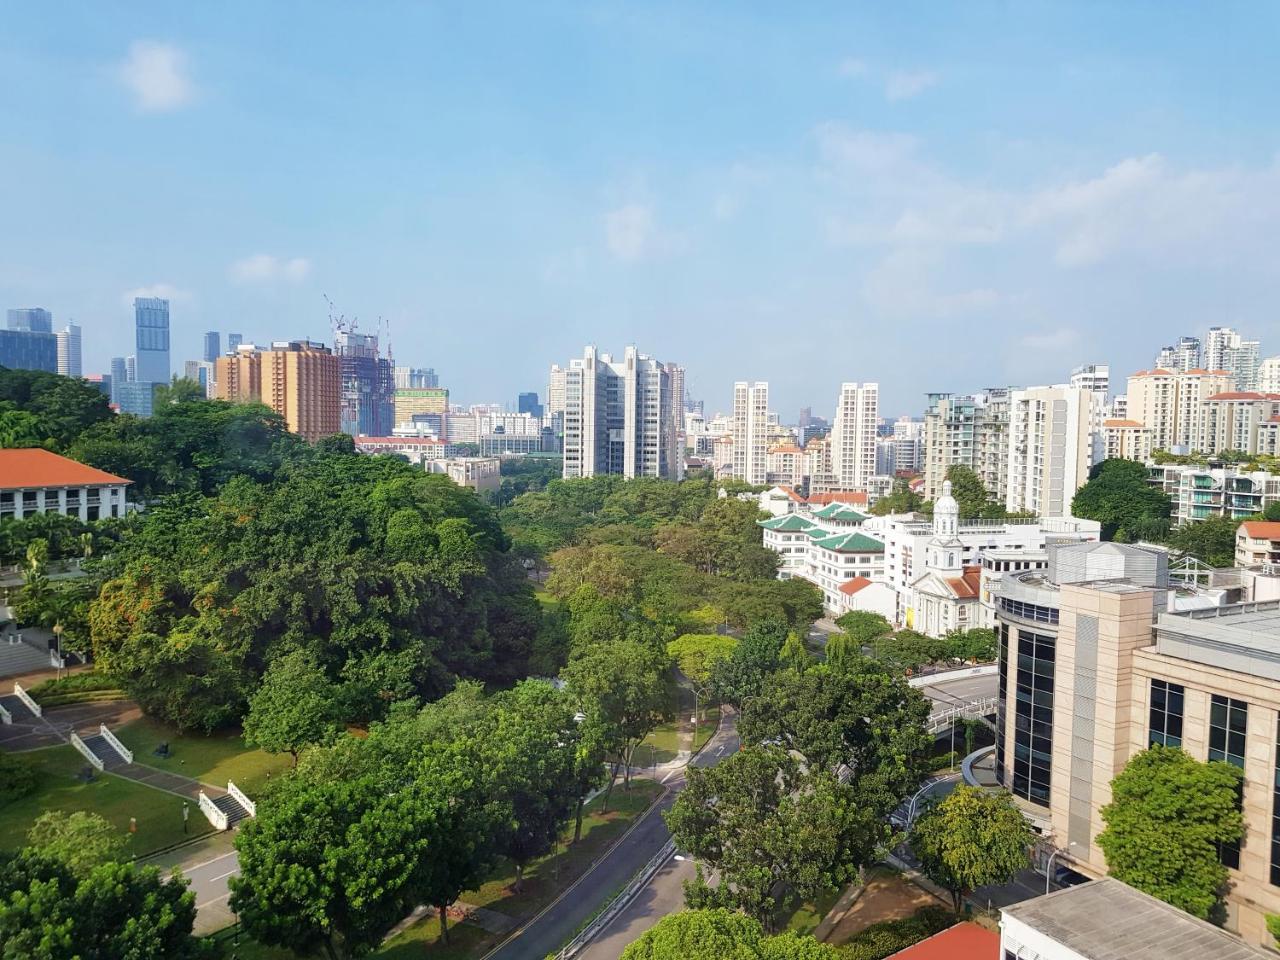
[{"x": 299, "y": 379}]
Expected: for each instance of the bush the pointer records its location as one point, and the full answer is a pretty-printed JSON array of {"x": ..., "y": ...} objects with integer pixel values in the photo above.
[
  {"x": 885, "y": 939},
  {"x": 74, "y": 683},
  {"x": 17, "y": 778},
  {"x": 81, "y": 696}
]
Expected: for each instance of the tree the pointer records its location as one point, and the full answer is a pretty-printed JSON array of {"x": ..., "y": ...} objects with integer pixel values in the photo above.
[
  {"x": 863, "y": 626},
  {"x": 115, "y": 910},
  {"x": 742, "y": 675},
  {"x": 908, "y": 650},
  {"x": 1211, "y": 541},
  {"x": 977, "y": 645},
  {"x": 1119, "y": 496},
  {"x": 863, "y": 718},
  {"x": 295, "y": 706},
  {"x": 971, "y": 839},
  {"x": 621, "y": 687},
  {"x": 758, "y": 816},
  {"x": 1167, "y": 821},
  {"x": 80, "y": 840},
  {"x": 971, "y": 494},
  {"x": 900, "y": 500},
  {"x": 793, "y": 654},
  {"x": 698, "y": 654},
  {"x": 1271, "y": 512},
  {"x": 721, "y": 934}
]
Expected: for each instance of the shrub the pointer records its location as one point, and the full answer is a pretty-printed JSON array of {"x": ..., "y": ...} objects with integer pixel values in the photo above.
[
  {"x": 881, "y": 940},
  {"x": 17, "y": 778},
  {"x": 74, "y": 683}
]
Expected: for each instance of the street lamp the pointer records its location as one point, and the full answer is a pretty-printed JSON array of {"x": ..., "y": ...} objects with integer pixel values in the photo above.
[
  {"x": 1048, "y": 870},
  {"x": 57, "y": 632}
]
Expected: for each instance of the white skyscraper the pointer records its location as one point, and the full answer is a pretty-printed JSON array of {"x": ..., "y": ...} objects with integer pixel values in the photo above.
[
  {"x": 620, "y": 417},
  {"x": 69, "y": 350},
  {"x": 1225, "y": 349},
  {"x": 1050, "y": 448},
  {"x": 853, "y": 435},
  {"x": 1269, "y": 375},
  {"x": 1182, "y": 356},
  {"x": 1095, "y": 378},
  {"x": 750, "y": 431}
]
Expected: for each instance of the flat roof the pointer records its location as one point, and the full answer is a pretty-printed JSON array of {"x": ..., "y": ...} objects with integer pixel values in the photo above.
[{"x": 1109, "y": 920}]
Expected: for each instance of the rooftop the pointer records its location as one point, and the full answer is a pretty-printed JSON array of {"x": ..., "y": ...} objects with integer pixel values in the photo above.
[
  {"x": 850, "y": 543},
  {"x": 788, "y": 523},
  {"x": 964, "y": 941},
  {"x": 1241, "y": 637},
  {"x": 26, "y": 467},
  {"x": 1261, "y": 529},
  {"x": 1109, "y": 920}
]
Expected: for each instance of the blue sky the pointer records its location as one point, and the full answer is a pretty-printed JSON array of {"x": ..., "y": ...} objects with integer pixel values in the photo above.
[{"x": 935, "y": 197}]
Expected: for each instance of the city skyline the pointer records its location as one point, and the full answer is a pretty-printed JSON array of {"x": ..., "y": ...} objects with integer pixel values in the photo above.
[{"x": 1075, "y": 183}]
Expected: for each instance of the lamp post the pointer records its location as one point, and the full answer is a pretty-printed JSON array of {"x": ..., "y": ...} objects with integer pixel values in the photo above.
[
  {"x": 57, "y": 632},
  {"x": 1048, "y": 870}
]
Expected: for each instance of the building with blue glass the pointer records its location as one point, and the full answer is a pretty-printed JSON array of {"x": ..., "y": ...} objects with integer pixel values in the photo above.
[
  {"x": 29, "y": 350},
  {"x": 31, "y": 319},
  {"x": 151, "y": 316}
]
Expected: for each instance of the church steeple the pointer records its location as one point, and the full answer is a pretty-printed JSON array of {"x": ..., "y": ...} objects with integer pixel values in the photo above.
[{"x": 945, "y": 551}]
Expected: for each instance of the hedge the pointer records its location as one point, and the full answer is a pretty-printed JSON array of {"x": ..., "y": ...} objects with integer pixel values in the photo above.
[{"x": 885, "y": 939}]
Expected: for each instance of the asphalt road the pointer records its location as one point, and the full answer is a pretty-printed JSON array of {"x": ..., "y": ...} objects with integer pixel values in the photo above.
[
  {"x": 664, "y": 894},
  {"x": 549, "y": 931}
]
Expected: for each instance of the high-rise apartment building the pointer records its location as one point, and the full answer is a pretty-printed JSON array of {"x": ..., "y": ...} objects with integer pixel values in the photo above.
[
  {"x": 1234, "y": 421},
  {"x": 853, "y": 435},
  {"x": 620, "y": 417},
  {"x": 30, "y": 320},
  {"x": 368, "y": 385},
  {"x": 555, "y": 390},
  {"x": 968, "y": 431},
  {"x": 416, "y": 378},
  {"x": 749, "y": 452},
  {"x": 1050, "y": 448},
  {"x": 130, "y": 369},
  {"x": 151, "y": 317},
  {"x": 1225, "y": 349},
  {"x": 201, "y": 372},
  {"x": 1167, "y": 403},
  {"x": 1269, "y": 375},
  {"x": 1181, "y": 356},
  {"x": 69, "y": 364},
  {"x": 1095, "y": 378},
  {"x": 299, "y": 379},
  {"x": 908, "y": 445},
  {"x": 212, "y": 346}
]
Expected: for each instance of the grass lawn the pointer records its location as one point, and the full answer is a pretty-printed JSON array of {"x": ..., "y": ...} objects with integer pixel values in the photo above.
[
  {"x": 213, "y": 759},
  {"x": 159, "y": 814},
  {"x": 543, "y": 881},
  {"x": 669, "y": 738},
  {"x": 805, "y": 917}
]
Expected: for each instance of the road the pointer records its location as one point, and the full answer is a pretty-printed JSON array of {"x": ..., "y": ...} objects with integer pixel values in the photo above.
[
  {"x": 548, "y": 932},
  {"x": 664, "y": 894}
]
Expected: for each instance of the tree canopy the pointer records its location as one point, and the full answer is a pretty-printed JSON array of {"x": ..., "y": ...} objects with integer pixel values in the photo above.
[
  {"x": 720, "y": 934},
  {"x": 1119, "y": 497}
]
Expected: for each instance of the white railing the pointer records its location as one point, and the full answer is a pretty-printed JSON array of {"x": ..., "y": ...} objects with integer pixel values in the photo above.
[
  {"x": 85, "y": 751},
  {"x": 945, "y": 676},
  {"x": 5, "y": 716},
  {"x": 55, "y": 661},
  {"x": 212, "y": 813},
  {"x": 241, "y": 799},
  {"x": 119, "y": 747},
  {"x": 618, "y": 904},
  {"x": 974, "y": 710},
  {"x": 26, "y": 699}
]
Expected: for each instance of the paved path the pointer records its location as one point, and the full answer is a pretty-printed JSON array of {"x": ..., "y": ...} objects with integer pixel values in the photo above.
[
  {"x": 549, "y": 931},
  {"x": 54, "y": 729}
]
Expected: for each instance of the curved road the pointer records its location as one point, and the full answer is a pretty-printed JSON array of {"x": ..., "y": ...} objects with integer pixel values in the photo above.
[
  {"x": 664, "y": 894},
  {"x": 550, "y": 930}
]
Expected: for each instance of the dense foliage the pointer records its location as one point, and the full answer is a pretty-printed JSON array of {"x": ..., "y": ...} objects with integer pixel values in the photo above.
[
  {"x": 39, "y": 409},
  {"x": 720, "y": 934},
  {"x": 1168, "y": 818},
  {"x": 1119, "y": 497},
  {"x": 886, "y": 938},
  {"x": 18, "y": 777},
  {"x": 391, "y": 580}
]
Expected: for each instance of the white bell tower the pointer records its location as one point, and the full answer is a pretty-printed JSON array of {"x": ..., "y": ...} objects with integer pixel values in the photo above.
[{"x": 945, "y": 552}]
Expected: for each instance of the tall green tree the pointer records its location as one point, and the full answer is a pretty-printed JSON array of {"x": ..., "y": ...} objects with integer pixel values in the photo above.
[
  {"x": 1119, "y": 496},
  {"x": 114, "y": 910},
  {"x": 1168, "y": 818},
  {"x": 296, "y": 706},
  {"x": 81, "y": 840},
  {"x": 720, "y": 934},
  {"x": 863, "y": 626},
  {"x": 1211, "y": 541},
  {"x": 743, "y": 674},
  {"x": 971, "y": 839}
]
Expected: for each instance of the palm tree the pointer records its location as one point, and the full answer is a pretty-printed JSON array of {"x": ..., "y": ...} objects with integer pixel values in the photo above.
[
  {"x": 86, "y": 544},
  {"x": 37, "y": 555}
]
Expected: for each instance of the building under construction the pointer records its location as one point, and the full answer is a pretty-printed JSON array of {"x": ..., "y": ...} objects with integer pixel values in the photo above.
[{"x": 368, "y": 385}]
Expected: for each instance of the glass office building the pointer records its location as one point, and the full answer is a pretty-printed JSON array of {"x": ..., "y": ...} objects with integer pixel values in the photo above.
[
  {"x": 31, "y": 319},
  {"x": 29, "y": 350},
  {"x": 152, "y": 318}
]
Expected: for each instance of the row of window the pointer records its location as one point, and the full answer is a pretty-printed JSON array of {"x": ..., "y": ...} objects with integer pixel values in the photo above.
[{"x": 1029, "y": 611}]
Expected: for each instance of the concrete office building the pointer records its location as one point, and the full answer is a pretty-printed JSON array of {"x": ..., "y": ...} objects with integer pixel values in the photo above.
[
  {"x": 749, "y": 431},
  {"x": 481, "y": 474},
  {"x": 410, "y": 402},
  {"x": 1050, "y": 448},
  {"x": 620, "y": 417},
  {"x": 1101, "y": 655},
  {"x": 202, "y": 372},
  {"x": 69, "y": 363},
  {"x": 151, "y": 321},
  {"x": 299, "y": 379}
]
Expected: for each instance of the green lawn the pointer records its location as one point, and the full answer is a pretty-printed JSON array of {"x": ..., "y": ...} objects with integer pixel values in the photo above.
[
  {"x": 543, "y": 881},
  {"x": 213, "y": 759},
  {"x": 159, "y": 814},
  {"x": 805, "y": 917},
  {"x": 665, "y": 741}
]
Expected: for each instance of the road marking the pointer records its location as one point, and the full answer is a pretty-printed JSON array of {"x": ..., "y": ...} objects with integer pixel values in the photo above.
[
  {"x": 223, "y": 876},
  {"x": 204, "y": 863}
]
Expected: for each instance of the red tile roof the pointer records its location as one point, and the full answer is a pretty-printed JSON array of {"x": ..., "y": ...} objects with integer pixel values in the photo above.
[
  {"x": 1121, "y": 423},
  {"x": 790, "y": 492},
  {"x": 33, "y": 467},
  {"x": 964, "y": 941},
  {"x": 965, "y": 586},
  {"x": 850, "y": 587},
  {"x": 1261, "y": 529},
  {"x": 1245, "y": 395},
  {"x": 840, "y": 496}
]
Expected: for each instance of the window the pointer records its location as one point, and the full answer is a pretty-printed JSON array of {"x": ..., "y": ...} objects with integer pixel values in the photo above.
[
  {"x": 1033, "y": 716},
  {"x": 1166, "y": 713},
  {"x": 1228, "y": 720},
  {"x": 1002, "y": 690},
  {"x": 1275, "y": 814}
]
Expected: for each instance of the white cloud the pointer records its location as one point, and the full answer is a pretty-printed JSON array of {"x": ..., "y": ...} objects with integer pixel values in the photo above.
[
  {"x": 852, "y": 67},
  {"x": 630, "y": 231},
  {"x": 264, "y": 268},
  {"x": 157, "y": 75},
  {"x": 165, "y": 291},
  {"x": 905, "y": 84}
]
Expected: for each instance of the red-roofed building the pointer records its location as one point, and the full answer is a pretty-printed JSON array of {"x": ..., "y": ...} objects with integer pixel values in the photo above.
[
  {"x": 964, "y": 941},
  {"x": 34, "y": 481},
  {"x": 779, "y": 500},
  {"x": 872, "y": 596},
  {"x": 857, "y": 498},
  {"x": 1257, "y": 541}
]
